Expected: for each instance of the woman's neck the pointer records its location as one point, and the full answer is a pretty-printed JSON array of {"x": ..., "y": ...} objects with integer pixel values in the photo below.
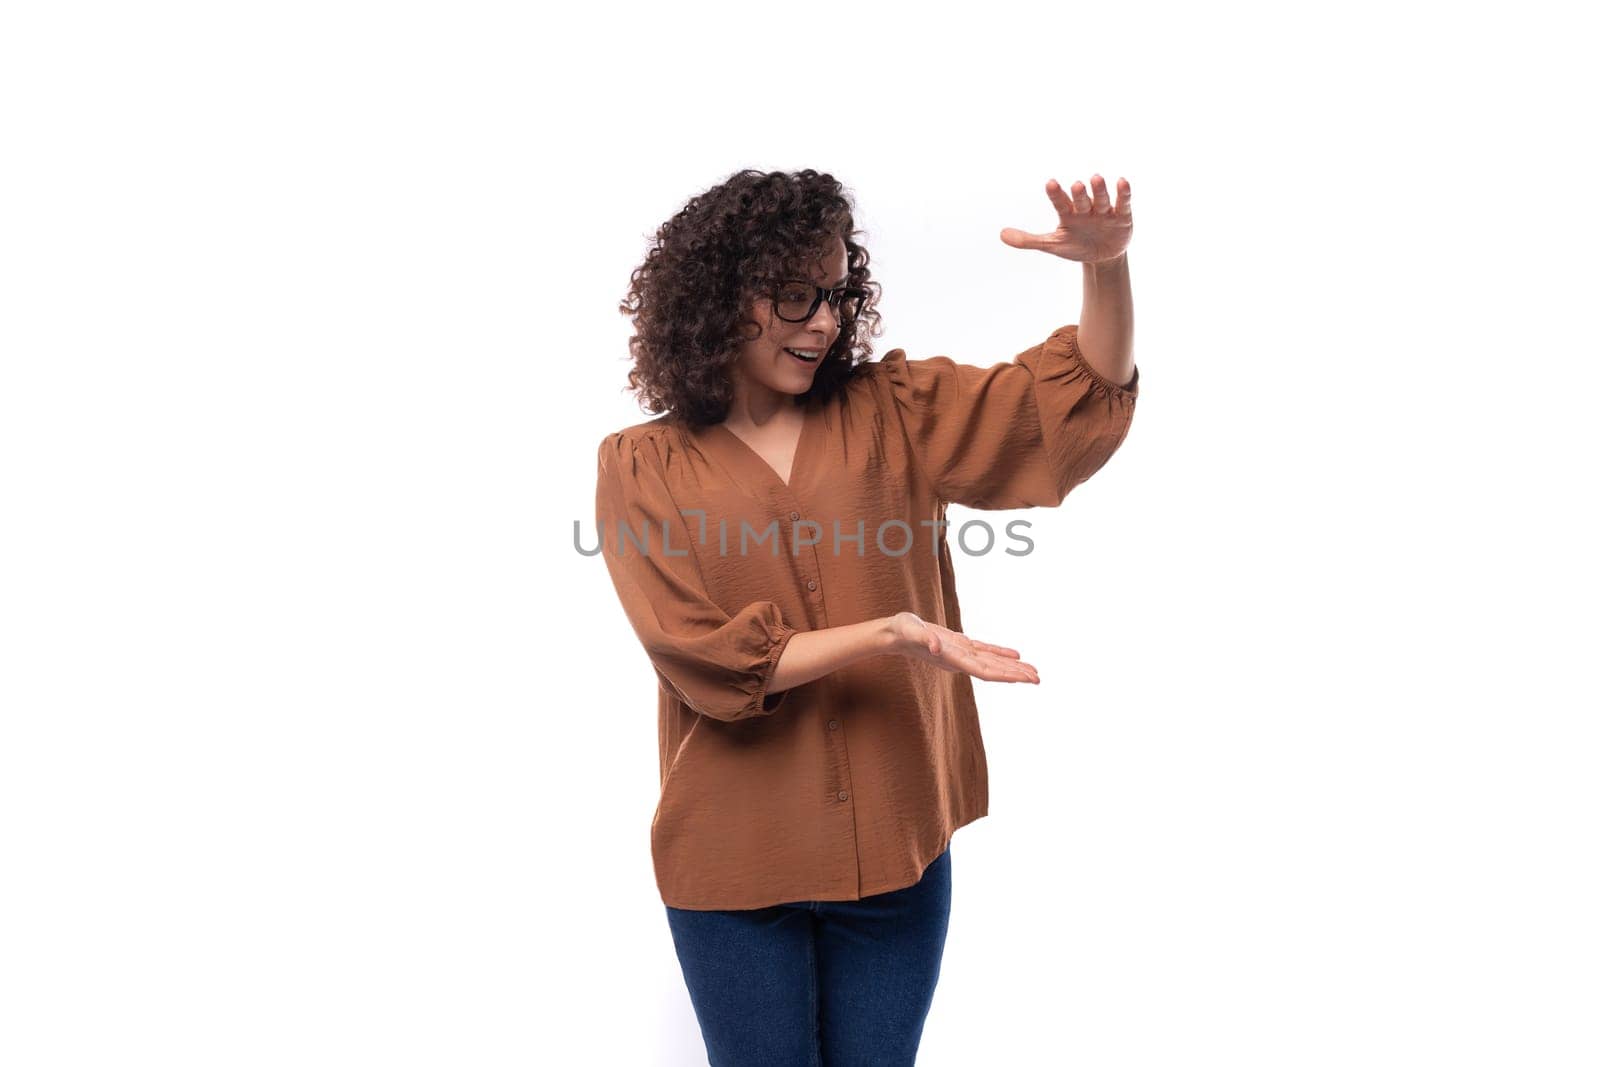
[{"x": 757, "y": 407}]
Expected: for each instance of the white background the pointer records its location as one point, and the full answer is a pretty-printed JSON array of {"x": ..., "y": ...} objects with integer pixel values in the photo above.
[{"x": 322, "y": 745}]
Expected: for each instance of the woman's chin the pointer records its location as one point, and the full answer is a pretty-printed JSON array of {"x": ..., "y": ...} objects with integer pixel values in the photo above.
[{"x": 796, "y": 381}]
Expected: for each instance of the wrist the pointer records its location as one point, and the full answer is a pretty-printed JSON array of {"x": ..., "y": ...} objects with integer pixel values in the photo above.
[
  {"x": 1102, "y": 266},
  {"x": 885, "y": 636}
]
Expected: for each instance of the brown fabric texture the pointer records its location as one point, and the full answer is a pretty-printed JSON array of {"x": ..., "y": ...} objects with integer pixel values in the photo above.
[{"x": 852, "y": 784}]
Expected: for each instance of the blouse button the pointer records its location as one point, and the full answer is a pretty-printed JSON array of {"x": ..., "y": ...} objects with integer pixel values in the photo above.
[
  {"x": 793, "y": 515},
  {"x": 833, "y": 724},
  {"x": 811, "y": 585},
  {"x": 844, "y": 794}
]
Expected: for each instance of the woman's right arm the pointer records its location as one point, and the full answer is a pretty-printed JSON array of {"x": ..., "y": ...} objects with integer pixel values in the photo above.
[
  {"x": 732, "y": 667},
  {"x": 813, "y": 653}
]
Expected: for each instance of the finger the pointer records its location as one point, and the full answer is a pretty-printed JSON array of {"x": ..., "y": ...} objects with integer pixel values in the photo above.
[
  {"x": 1124, "y": 197},
  {"x": 995, "y": 669},
  {"x": 933, "y": 643},
  {"x": 999, "y": 650},
  {"x": 998, "y": 673},
  {"x": 1102, "y": 200},
  {"x": 989, "y": 672},
  {"x": 1080, "y": 199},
  {"x": 1025, "y": 672},
  {"x": 1028, "y": 672},
  {"x": 1058, "y": 196},
  {"x": 1021, "y": 238}
]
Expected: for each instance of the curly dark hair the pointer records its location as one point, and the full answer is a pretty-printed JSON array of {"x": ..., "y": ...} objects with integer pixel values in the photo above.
[{"x": 710, "y": 262}]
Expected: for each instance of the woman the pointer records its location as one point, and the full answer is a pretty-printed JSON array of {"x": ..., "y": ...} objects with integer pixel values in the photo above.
[{"x": 777, "y": 540}]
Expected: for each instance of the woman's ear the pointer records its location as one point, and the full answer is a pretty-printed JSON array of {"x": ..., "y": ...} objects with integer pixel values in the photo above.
[{"x": 752, "y": 321}]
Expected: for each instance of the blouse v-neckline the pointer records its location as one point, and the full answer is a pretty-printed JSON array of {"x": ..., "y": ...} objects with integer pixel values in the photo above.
[{"x": 758, "y": 464}]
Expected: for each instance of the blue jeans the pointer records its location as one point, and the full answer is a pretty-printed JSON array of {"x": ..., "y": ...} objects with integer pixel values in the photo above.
[{"x": 819, "y": 983}]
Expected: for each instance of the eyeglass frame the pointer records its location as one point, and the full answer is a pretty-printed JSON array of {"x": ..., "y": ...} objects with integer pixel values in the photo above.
[{"x": 818, "y": 295}]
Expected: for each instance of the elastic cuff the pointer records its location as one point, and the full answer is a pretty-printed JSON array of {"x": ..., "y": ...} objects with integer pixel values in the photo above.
[
  {"x": 1068, "y": 336},
  {"x": 766, "y": 703}
]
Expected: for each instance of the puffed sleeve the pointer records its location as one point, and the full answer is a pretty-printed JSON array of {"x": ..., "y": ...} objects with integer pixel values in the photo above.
[
  {"x": 719, "y": 665},
  {"x": 1017, "y": 434}
]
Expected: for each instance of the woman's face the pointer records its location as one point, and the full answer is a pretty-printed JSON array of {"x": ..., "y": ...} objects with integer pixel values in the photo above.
[{"x": 764, "y": 361}]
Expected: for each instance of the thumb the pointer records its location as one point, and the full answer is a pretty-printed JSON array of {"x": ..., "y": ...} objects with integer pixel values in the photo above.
[
  {"x": 1020, "y": 239},
  {"x": 933, "y": 643}
]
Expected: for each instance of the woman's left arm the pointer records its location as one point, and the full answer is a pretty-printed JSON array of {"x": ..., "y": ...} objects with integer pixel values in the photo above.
[
  {"x": 1094, "y": 232},
  {"x": 1105, "y": 328}
]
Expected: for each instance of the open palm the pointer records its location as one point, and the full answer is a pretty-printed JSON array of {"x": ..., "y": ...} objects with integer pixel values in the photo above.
[
  {"x": 954, "y": 651},
  {"x": 1090, "y": 230}
]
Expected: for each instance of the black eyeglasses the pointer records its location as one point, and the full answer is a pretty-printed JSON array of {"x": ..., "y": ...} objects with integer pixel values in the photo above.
[{"x": 797, "y": 301}]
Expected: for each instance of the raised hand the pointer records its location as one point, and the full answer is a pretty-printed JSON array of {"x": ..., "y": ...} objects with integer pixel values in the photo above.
[
  {"x": 1090, "y": 230},
  {"x": 953, "y": 651}
]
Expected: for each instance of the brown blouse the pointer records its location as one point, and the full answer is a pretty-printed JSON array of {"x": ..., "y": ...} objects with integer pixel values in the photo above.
[{"x": 851, "y": 784}]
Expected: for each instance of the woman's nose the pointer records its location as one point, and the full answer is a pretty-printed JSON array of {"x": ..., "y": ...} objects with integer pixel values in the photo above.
[{"x": 828, "y": 323}]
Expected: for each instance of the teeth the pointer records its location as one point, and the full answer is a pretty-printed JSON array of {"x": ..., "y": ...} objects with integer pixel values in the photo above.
[{"x": 809, "y": 357}]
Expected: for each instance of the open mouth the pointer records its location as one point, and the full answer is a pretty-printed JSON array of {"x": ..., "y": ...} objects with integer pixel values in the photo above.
[{"x": 804, "y": 356}]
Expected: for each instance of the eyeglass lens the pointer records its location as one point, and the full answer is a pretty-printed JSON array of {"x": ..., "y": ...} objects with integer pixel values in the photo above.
[{"x": 797, "y": 301}]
